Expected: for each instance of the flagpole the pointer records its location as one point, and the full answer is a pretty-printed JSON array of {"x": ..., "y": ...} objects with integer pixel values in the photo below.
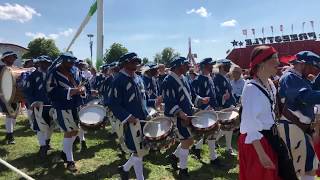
[{"x": 100, "y": 30}]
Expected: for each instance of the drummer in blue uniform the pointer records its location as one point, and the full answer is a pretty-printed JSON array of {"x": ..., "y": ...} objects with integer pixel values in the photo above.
[
  {"x": 128, "y": 104},
  {"x": 299, "y": 96},
  {"x": 179, "y": 104},
  {"x": 36, "y": 95},
  {"x": 224, "y": 96},
  {"x": 151, "y": 85},
  {"x": 203, "y": 86},
  {"x": 161, "y": 76},
  {"x": 101, "y": 78},
  {"x": 65, "y": 90},
  {"x": 8, "y": 58}
]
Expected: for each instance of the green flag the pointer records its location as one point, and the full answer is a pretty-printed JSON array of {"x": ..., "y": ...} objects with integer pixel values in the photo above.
[{"x": 92, "y": 10}]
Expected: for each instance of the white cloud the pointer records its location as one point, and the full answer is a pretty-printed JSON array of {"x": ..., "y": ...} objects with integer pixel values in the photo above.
[
  {"x": 36, "y": 35},
  {"x": 65, "y": 33},
  {"x": 230, "y": 23},
  {"x": 197, "y": 41},
  {"x": 211, "y": 40},
  {"x": 17, "y": 12},
  {"x": 201, "y": 12}
]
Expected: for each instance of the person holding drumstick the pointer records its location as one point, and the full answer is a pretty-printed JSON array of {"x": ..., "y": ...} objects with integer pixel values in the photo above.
[
  {"x": 177, "y": 97},
  {"x": 8, "y": 58},
  {"x": 299, "y": 96},
  {"x": 128, "y": 104},
  {"x": 65, "y": 91},
  {"x": 262, "y": 154},
  {"x": 224, "y": 96},
  {"x": 37, "y": 97},
  {"x": 204, "y": 87}
]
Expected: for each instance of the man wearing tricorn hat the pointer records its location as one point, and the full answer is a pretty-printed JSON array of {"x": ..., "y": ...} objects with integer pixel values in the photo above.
[
  {"x": 178, "y": 99},
  {"x": 128, "y": 104},
  {"x": 8, "y": 58},
  {"x": 224, "y": 94},
  {"x": 298, "y": 97}
]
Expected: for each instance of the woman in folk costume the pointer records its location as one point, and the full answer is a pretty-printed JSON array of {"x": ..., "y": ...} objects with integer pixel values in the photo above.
[
  {"x": 258, "y": 143},
  {"x": 299, "y": 96}
]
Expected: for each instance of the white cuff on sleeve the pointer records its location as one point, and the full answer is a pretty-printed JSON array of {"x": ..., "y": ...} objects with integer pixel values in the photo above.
[
  {"x": 124, "y": 121},
  {"x": 68, "y": 95},
  {"x": 252, "y": 136}
]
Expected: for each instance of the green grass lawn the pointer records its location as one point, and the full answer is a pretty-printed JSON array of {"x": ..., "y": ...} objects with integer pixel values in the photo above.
[{"x": 100, "y": 161}]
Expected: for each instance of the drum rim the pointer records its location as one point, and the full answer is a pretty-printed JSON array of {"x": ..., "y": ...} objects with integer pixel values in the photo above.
[
  {"x": 229, "y": 120},
  {"x": 95, "y": 105},
  {"x": 206, "y": 128},
  {"x": 162, "y": 136}
]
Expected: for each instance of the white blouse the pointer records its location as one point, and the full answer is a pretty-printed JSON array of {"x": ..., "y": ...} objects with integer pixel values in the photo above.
[{"x": 256, "y": 111}]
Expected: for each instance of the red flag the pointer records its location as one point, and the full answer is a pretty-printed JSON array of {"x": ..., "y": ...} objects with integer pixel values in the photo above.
[
  {"x": 281, "y": 28},
  {"x": 253, "y": 31},
  {"x": 244, "y": 32}
]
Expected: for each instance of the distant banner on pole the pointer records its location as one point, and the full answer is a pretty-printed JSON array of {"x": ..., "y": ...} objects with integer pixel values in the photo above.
[{"x": 91, "y": 12}]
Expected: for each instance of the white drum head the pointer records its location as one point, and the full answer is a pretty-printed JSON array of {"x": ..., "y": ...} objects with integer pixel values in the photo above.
[
  {"x": 6, "y": 86},
  {"x": 204, "y": 119},
  {"x": 157, "y": 127},
  {"x": 92, "y": 114}
]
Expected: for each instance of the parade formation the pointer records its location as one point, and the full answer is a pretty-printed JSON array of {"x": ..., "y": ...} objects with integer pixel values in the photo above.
[{"x": 151, "y": 109}]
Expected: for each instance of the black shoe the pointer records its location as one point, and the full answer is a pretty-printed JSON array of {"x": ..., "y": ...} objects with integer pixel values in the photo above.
[
  {"x": 10, "y": 138},
  {"x": 43, "y": 151},
  {"x": 173, "y": 160},
  {"x": 183, "y": 174},
  {"x": 231, "y": 153},
  {"x": 123, "y": 174},
  {"x": 83, "y": 146},
  {"x": 196, "y": 152},
  {"x": 71, "y": 166},
  {"x": 217, "y": 164},
  {"x": 76, "y": 141},
  {"x": 63, "y": 157},
  {"x": 48, "y": 144}
]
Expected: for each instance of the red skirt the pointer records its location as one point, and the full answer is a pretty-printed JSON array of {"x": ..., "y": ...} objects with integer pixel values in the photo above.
[
  {"x": 250, "y": 166},
  {"x": 317, "y": 150}
]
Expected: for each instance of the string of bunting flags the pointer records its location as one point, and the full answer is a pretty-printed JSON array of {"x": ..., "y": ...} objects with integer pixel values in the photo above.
[{"x": 276, "y": 39}]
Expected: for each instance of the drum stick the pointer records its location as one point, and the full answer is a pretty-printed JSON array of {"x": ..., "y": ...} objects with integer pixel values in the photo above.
[
  {"x": 149, "y": 121},
  {"x": 193, "y": 116},
  {"x": 47, "y": 105}
]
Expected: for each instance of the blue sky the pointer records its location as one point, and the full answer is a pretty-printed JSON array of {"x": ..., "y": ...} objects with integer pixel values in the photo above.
[{"x": 148, "y": 26}]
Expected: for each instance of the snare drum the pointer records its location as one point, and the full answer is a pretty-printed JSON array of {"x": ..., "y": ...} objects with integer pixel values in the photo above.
[
  {"x": 205, "y": 123},
  {"x": 11, "y": 82},
  {"x": 92, "y": 117},
  {"x": 229, "y": 119},
  {"x": 158, "y": 133},
  {"x": 94, "y": 102}
]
